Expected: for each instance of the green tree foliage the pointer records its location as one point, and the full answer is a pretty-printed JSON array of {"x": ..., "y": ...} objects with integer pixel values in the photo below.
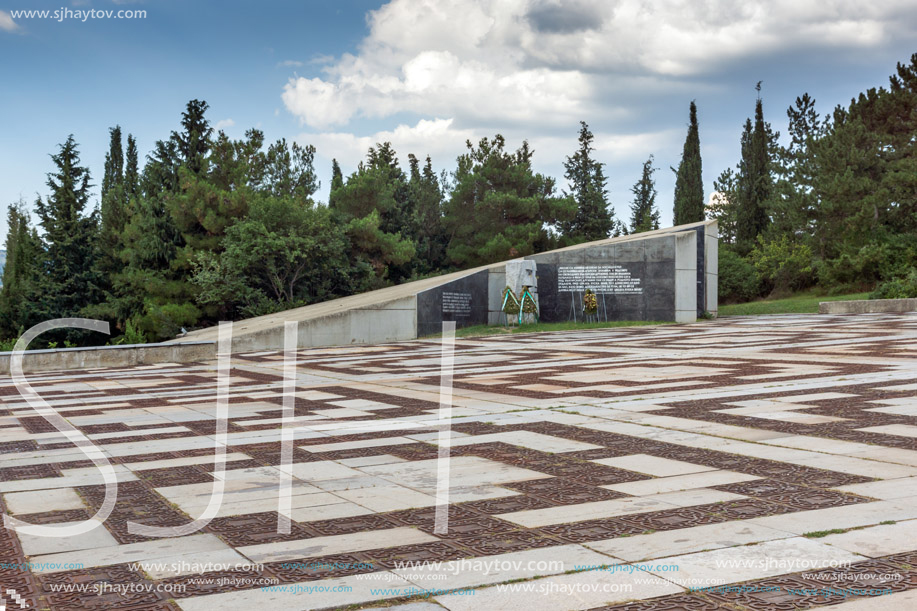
[
  {"x": 782, "y": 265},
  {"x": 867, "y": 168},
  {"x": 374, "y": 206},
  {"x": 209, "y": 227},
  {"x": 148, "y": 289},
  {"x": 425, "y": 191},
  {"x": 193, "y": 142},
  {"x": 904, "y": 287},
  {"x": 644, "y": 213},
  {"x": 131, "y": 170},
  {"x": 689, "y": 183},
  {"x": 594, "y": 219},
  {"x": 795, "y": 205},
  {"x": 738, "y": 279},
  {"x": 24, "y": 256},
  {"x": 499, "y": 207},
  {"x": 723, "y": 205},
  {"x": 754, "y": 179},
  {"x": 745, "y": 199},
  {"x": 285, "y": 253},
  {"x": 115, "y": 195},
  {"x": 68, "y": 278}
]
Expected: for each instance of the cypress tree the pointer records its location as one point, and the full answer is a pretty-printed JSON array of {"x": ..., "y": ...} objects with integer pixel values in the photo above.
[
  {"x": 113, "y": 208},
  {"x": 644, "y": 214},
  {"x": 426, "y": 196},
  {"x": 754, "y": 182},
  {"x": 337, "y": 181},
  {"x": 594, "y": 219},
  {"x": 131, "y": 170},
  {"x": 24, "y": 258},
  {"x": 689, "y": 185}
]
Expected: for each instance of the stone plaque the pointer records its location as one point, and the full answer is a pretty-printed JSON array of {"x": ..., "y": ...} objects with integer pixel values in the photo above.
[
  {"x": 608, "y": 279},
  {"x": 458, "y": 304}
]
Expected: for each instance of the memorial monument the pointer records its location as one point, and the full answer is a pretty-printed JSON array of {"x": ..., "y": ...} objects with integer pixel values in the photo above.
[{"x": 664, "y": 275}]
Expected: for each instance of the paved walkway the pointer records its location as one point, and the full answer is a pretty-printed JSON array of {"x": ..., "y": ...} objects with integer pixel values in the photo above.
[{"x": 770, "y": 461}]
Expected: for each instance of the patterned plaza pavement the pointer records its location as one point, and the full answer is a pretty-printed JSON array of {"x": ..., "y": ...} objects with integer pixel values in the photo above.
[{"x": 742, "y": 463}]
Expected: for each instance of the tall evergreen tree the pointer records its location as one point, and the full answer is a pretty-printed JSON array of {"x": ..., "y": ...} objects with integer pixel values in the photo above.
[
  {"x": 131, "y": 170},
  {"x": 149, "y": 282},
  {"x": 24, "y": 259},
  {"x": 426, "y": 194},
  {"x": 69, "y": 280},
  {"x": 113, "y": 209},
  {"x": 754, "y": 181},
  {"x": 194, "y": 139},
  {"x": 376, "y": 206},
  {"x": 644, "y": 213},
  {"x": 689, "y": 184},
  {"x": 594, "y": 218},
  {"x": 337, "y": 181},
  {"x": 795, "y": 203}
]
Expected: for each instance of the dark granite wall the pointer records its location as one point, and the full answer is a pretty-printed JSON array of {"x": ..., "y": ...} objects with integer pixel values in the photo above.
[
  {"x": 633, "y": 281},
  {"x": 463, "y": 300},
  {"x": 701, "y": 276}
]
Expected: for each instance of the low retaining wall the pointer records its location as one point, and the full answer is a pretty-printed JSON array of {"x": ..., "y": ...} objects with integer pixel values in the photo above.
[
  {"x": 867, "y": 306},
  {"x": 110, "y": 356}
]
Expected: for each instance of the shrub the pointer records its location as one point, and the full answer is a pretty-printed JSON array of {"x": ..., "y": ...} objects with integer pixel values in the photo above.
[
  {"x": 132, "y": 335},
  {"x": 783, "y": 266},
  {"x": 886, "y": 260},
  {"x": 899, "y": 288},
  {"x": 738, "y": 279}
]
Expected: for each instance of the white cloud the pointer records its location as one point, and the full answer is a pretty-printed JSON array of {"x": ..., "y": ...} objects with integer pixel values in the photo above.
[
  {"x": 6, "y": 22},
  {"x": 437, "y": 138},
  {"x": 290, "y": 63},
  {"x": 451, "y": 70},
  {"x": 518, "y": 61},
  {"x": 222, "y": 124}
]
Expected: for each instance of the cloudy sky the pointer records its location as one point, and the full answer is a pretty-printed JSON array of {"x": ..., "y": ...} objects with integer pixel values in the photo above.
[{"x": 428, "y": 75}]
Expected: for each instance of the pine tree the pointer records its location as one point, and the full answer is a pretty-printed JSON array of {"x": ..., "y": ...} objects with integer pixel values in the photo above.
[
  {"x": 723, "y": 205},
  {"x": 594, "y": 218},
  {"x": 689, "y": 185},
  {"x": 499, "y": 207},
  {"x": 644, "y": 214},
  {"x": 70, "y": 281},
  {"x": 795, "y": 204},
  {"x": 194, "y": 139}
]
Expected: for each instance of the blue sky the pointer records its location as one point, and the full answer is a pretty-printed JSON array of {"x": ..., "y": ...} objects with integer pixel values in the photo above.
[{"x": 428, "y": 74}]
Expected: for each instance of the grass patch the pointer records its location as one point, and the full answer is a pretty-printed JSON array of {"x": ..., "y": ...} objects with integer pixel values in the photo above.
[
  {"x": 818, "y": 534},
  {"x": 540, "y": 327},
  {"x": 802, "y": 303}
]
